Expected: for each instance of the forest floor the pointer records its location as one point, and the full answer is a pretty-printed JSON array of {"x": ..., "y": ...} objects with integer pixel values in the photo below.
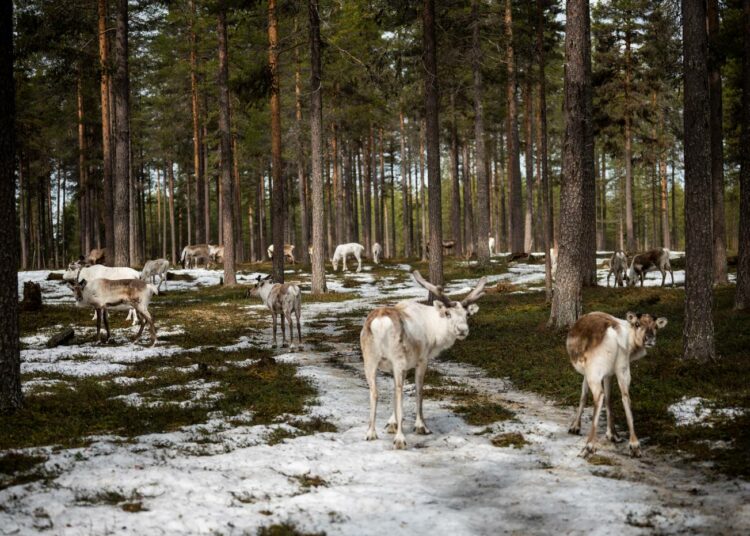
[{"x": 213, "y": 431}]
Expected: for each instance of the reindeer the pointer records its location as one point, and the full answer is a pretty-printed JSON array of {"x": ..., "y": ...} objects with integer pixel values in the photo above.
[
  {"x": 215, "y": 255},
  {"x": 96, "y": 256},
  {"x": 618, "y": 265},
  {"x": 407, "y": 336},
  {"x": 650, "y": 261},
  {"x": 288, "y": 252},
  {"x": 153, "y": 269},
  {"x": 283, "y": 299},
  {"x": 491, "y": 244},
  {"x": 343, "y": 250},
  {"x": 191, "y": 255},
  {"x": 377, "y": 251},
  {"x": 116, "y": 294},
  {"x": 79, "y": 270},
  {"x": 601, "y": 346}
]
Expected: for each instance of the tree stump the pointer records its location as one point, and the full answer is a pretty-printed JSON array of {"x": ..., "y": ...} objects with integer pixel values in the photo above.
[
  {"x": 32, "y": 296},
  {"x": 63, "y": 337}
]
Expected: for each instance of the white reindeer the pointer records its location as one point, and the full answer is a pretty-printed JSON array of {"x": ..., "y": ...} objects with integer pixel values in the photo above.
[
  {"x": 153, "y": 269},
  {"x": 650, "y": 261},
  {"x": 116, "y": 295},
  {"x": 618, "y": 265},
  {"x": 288, "y": 252},
  {"x": 491, "y": 243},
  {"x": 280, "y": 298},
  {"x": 343, "y": 250},
  {"x": 601, "y": 346},
  {"x": 191, "y": 255},
  {"x": 377, "y": 251},
  {"x": 78, "y": 272},
  {"x": 406, "y": 336},
  {"x": 215, "y": 255}
]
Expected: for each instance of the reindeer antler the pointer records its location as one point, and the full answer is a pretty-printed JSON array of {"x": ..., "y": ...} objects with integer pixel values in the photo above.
[
  {"x": 436, "y": 290},
  {"x": 475, "y": 294}
]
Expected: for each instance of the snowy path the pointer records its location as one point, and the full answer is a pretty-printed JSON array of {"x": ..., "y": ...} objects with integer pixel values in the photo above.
[{"x": 451, "y": 482}]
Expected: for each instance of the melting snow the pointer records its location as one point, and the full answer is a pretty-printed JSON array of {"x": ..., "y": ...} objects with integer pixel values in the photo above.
[{"x": 697, "y": 410}]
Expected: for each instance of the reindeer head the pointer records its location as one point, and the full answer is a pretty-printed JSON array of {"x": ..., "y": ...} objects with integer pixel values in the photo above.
[
  {"x": 77, "y": 288},
  {"x": 456, "y": 314},
  {"x": 260, "y": 282},
  {"x": 645, "y": 326}
]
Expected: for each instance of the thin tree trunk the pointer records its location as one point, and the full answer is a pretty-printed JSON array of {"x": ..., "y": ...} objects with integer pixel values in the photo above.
[
  {"x": 261, "y": 211},
  {"x": 170, "y": 174},
  {"x": 108, "y": 208},
  {"x": 83, "y": 181},
  {"x": 455, "y": 184},
  {"x": 698, "y": 332},
  {"x": 200, "y": 214},
  {"x": 301, "y": 178},
  {"x": 376, "y": 181},
  {"x": 422, "y": 194},
  {"x": 164, "y": 247},
  {"x": 542, "y": 147},
  {"x": 665, "y": 236},
  {"x": 528, "y": 230},
  {"x": 239, "y": 248},
  {"x": 225, "y": 139},
  {"x": 366, "y": 186},
  {"x": 432, "y": 108},
  {"x": 742, "y": 293},
  {"x": 578, "y": 166},
  {"x": 482, "y": 209},
  {"x": 383, "y": 231},
  {"x": 206, "y": 186},
  {"x": 629, "y": 230},
  {"x": 717, "y": 144},
  {"x": 404, "y": 188},
  {"x": 122, "y": 141},
  {"x": 514, "y": 165},
  {"x": 469, "y": 241},
  {"x": 316, "y": 150}
]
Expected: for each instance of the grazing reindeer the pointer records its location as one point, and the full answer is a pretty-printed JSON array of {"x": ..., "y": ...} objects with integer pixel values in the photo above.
[
  {"x": 406, "y": 336},
  {"x": 650, "y": 261},
  {"x": 377, "y": 251},
  {"x": 288, "y": 252},
  {"x": 97, "y": 256},
  {"x": 191, "y": 255},
  {"x": 153, "y": 269},
  {"x": 284, "y": 299},
  {"x": 618, "y": 265},
  {"x": 601, "y": 346},
  {"x": 116, "y": 294},
  {"x": 78, "y": 271},
  {"x": 343, "y": 250}
]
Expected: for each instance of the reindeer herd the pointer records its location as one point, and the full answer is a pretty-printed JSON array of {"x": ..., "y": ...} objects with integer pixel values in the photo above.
[{"x": 405, "y": 336}]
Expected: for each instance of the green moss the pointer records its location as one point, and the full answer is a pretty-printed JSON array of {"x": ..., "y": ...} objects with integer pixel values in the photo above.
[
  {"x": 509, "y": 439},
  {"x": 509, "y": 339},
  {"x": 481, "y": 411},
  {"x": 285, "y": 529}
]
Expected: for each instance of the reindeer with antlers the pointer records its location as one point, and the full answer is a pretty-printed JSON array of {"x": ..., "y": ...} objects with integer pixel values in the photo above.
[{"x": 406, "y": 336}]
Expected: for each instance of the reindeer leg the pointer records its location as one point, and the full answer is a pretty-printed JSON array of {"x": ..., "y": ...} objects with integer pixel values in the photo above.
[
  {"x": 283, "y": 328},
  {"x": 106, "y": 324},
  {"x": 575, "y": 426},
  {"x": 299, "y": 329},
  {"x": 359, "y": 263},
  {"x": 419, "y": 425},
  {"x": 595, "y": 384},
  {"x": 273, "y": 315},
  {"x": 142, "y": 319},
  {"x": 399, "y": 442},
  {"x": 663, "y": 277},
  {"x": 623, "y": 380},
  {"x": 371, "y": 370},
  {"x": 391, "y": 426},
  {"x": 98, "y": 315},
  {"x": 611, "y": 434}
]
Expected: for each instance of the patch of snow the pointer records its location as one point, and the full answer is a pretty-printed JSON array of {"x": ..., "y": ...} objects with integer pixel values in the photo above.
[{"x": 697, "y": 410}]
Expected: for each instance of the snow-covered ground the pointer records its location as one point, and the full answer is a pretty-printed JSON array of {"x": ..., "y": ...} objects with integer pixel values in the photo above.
[{"x": 451, "y": 482}]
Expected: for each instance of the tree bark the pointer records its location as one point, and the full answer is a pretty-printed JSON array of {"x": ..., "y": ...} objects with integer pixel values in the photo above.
[
  {"x": 366, "y": 194},
  {"x": 404, "y": 188},
  {"x": 301, "y": 177},
  {"x": 316, "y": 150},
  {"x": 578, "y": 165},
  {"x": 514, "y": 165},
  {"x": 382, "y": 234},
  {"x": 455, "y": 184},
  {"x": 717, "y": 144},
  {"x": 11, "y": 396},
  {"x": 483, "y": 188},
  {"x": 225, "y": 140},
  {"x": 742, "y": 293},
  {"x": 239, "y": 247},
  {"x": 377, "y": 179},
  {"x": 200, "y": 215},
  {"x": 629, "y": 230},
  {"x": 542, "y": 148},
  {"x": 422, "y": 194},
  {"x": 528, "y": 229},
  {"x": 698, "y": 332},
  {"x": 108, "y": 208},
  {"x": 170, "y": 173},
  {"x": 83, "y": 182},
  {"x": 469, "y": 238},
  {"x": 433, "y": 141},
  {"x": 122, "y": 141}
]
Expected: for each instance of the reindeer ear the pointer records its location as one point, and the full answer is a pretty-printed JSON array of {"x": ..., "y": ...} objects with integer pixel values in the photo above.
[
  {"x": 661, "y": 322},
  {"x": 440, "y": 306},
  {"x": 632, "y": 318},
  {"x": 472, "y": 309},
  {"x": 269, "y": 276}
]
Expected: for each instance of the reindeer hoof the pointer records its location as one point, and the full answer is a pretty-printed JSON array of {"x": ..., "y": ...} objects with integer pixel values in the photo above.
[
  {"x": 575, "y": 430},
  {"x": 635, "y": 449},
  {"x": 399, "y": 443},
  {"x": 390, "y": 428},
  {"x": 588, "y": 450},
  {"x": 422, "y": 430},
  {"x": 614, "y": 438},
  {"x": 371, "y": 435}
]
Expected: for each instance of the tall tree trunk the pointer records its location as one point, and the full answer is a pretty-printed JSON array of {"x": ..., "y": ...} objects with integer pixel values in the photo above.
[
  {"x": 665, "y": 235},
  {"x": 433, "y": 141},
  {"x": 514, "y": 165},
  {"x": 422, "y": 194},
  {"x": 483, "y": 187},
  {"x": 455, "y": 184},
  {"x": 336, "y": 214},
  {"x": 261, "y": 211},
  {"x": 366, "y": 221},
  {"x": 200, "y": 214},
  {"x": 122, "y": 141},
  {"x": 742, "y": 293},
  {"x": 629, "y": 230},
  {"x": 108, "y": 206},
  {"x": 170, "y": 173},
  {"x": 239, "y": 247},
  {"x": 206, "y": 184},
  {"x": 225, "y": 140},
  {"x": 528, "y": 230},
  {"x": 469, "y": 239},
  {"x": 578, "y": 165},
  {"x": 83, "y": 181},
  {"x": 22, "y": 215},
  {"x": 11, "y": 396},
  {"x": 542, "y": 147},
  {"x": 404, "y": 188},
  {"x": 698, "y": 332},
  {"x": 316, "y": 150},
  {"x": 164, "y": 248},
  {"x": 717, "y": 144},
  {"x": 382, "y": 234},
  {"x": 301, "y": 177},
  {"x": 393, "y": 207},
  {"x": 376, "y": 193}
]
